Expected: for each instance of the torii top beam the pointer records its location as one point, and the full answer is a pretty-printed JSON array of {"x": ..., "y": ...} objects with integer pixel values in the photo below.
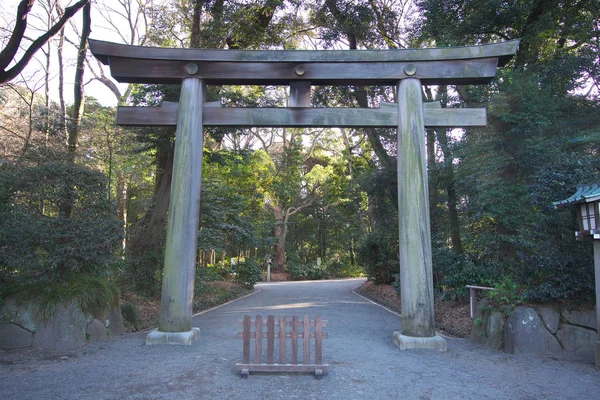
[{"x": 452, "y": 65}]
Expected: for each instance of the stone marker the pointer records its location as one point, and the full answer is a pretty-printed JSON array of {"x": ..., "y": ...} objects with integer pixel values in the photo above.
[{"x": 524, "y": 332}]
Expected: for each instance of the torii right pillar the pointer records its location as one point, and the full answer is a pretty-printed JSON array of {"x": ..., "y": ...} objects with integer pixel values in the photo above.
[{"x": 416, "y": 275}]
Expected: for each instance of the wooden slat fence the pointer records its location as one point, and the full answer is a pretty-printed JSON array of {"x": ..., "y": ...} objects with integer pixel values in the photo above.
[{"x": 298, "y": 330}]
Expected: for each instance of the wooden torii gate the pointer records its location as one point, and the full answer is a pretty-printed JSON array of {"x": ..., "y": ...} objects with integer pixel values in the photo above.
[{"x": 406, "y": 69}]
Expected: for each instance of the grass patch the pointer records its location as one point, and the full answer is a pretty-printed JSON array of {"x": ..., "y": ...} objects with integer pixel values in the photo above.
[
  {"x": 94, "y": 295},
  {"x": 211, "y": 294}
]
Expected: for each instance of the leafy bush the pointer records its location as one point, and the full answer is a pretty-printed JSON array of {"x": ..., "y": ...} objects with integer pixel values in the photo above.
[
  {"x": 452, "y": 272},
  {"x": 317, "y": 272},
  {"x": 295, "y": 267},
  {"x": 396, "y": 284},
  {"x": 130, "y": 316},
  {"x": 337, "y": 268},
  {"x": 299, "y": 270},
  {"x": 378, "y": 254},
  {"x": 46, "y": 246},
  {"x": 144, "y": 271},
  {"x": 207, "y": 274},
  {"x": 248, "y": 272},
  {"x": 223, "y": 269},
  {"x": 507, "y": 296}
]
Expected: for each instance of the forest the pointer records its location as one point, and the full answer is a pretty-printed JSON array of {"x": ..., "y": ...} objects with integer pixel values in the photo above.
[{"x": 84, "y": 202}]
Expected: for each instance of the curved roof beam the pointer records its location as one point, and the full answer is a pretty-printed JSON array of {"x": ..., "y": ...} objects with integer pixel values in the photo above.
[{"x": 451, "y": 65}]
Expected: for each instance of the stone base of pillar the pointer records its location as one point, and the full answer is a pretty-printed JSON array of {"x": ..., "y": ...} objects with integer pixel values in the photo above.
[
  {"x": 181, "y": 338},
  {"x": 412, "y": 342},
  {"x": 597, "y": 354}
]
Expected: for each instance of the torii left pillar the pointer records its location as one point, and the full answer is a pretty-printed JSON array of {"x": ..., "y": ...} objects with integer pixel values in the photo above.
[
  {"x": 416, "y": 275},
  {"x": 175, "y": 321}
]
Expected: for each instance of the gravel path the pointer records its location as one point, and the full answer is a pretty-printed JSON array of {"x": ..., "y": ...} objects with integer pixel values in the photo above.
[{"x": 363, "y": 362}]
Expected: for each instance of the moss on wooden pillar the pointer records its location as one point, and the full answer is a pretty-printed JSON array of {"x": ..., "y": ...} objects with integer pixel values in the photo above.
[
  {"x": 182, "y": 228},
  {"x": 416, "y": 278}
]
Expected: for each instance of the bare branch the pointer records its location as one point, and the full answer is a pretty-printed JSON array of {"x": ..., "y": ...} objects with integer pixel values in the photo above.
[
  {"x": 9, "y": 52},
  {"x": 12, "y": 132},
  {"x": 7, "y": 55}
]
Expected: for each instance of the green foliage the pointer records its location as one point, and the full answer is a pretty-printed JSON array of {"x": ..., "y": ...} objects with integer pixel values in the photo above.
[
  {"x": 540, "y": 142},
  {"x": 452, "y": 271},
  {"x": 248, "y": 272},
  {"x": 93, "y": 294},
  {"x": 396, "y": 284},
  {"x": 337, "y": 268},
  {"x": 507, "y": 296},
  {"x": 299, "y": 270},
  {"x": 144, "y": 271},
  {"x": 130, "y": 316},
  {"x": 207, "y": 274},
  {"x": 8, "y": 316},
  {"x": 378, "y": 254},
  {"x": 47, "y": 247},
  {"x": 232, "y": 216}
]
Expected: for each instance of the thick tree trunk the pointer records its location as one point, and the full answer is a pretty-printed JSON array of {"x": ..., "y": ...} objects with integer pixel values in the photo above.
[{"x": 144, "y": 251}]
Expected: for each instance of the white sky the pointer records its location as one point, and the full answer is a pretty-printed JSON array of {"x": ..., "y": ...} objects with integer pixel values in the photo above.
[{"x": 33, "y": 75}]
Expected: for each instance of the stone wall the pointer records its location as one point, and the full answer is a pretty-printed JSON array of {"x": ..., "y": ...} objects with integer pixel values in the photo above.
[
  {"x": 69, "y": 328},
  {"x": 527, "y": 330}
]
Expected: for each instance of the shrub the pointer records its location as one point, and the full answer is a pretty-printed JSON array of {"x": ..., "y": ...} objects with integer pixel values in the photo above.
[
  {"x": 47, "y": 247},
  {"x": 337, "y": 268},
  {"x": 130, "y": 316},
  {"x": 396, "y": 284},
  {"x": 452, "y": 272},
  {"x": 317, "y": 272},
  {"x": 378, "y": 254},
  {"x": 507, "y": 296},
  {"x": 248, "y": 272},
  {"x": 207, "y": 274},
  {"x": 295, "y": 267},
  {"x": 299, "y": 270},
  {"x": 92, "y": 294}
]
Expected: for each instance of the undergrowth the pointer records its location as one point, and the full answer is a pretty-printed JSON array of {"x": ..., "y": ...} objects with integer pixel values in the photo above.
[{"x": 93, "y": 294}]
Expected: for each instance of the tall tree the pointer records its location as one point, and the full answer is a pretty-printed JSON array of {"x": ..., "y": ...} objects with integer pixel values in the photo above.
[{"x": 535, "y": 116}]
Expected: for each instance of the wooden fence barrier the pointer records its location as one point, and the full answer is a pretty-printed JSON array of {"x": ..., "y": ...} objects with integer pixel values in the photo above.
[
  {"x": 300, "y": 330},
  {"x": 473, "y": 297}
]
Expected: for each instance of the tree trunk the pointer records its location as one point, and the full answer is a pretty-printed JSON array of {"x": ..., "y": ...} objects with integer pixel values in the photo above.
[
  {"x": 122, "y": 206},
  {"x": 450, "y": 187},
  {"x": 449, "y": 181},
  {"x": 66, "y": 205},
  {"x": 144, "y": 252},
  {"x": 78, "y": 95},
  {"x": 280, "y": 232},
  {"x": 61, "y": 79},
  {"x": 355, "y": 202}
]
